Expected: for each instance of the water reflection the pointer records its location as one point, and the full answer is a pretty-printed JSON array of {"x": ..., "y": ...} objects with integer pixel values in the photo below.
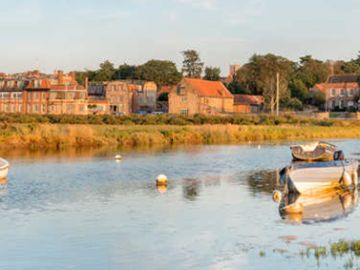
[
  {"x": 326, "y": 206},
  {"x": 191, "y": 188},
  {"x": 263, "y": 181}
]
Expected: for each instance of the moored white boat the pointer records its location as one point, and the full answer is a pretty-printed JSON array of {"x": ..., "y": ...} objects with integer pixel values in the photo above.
[
  {"x": 319, "y": 151},
  {"x": 4, "y": 168},
  {"x": 313, "y": 177}
]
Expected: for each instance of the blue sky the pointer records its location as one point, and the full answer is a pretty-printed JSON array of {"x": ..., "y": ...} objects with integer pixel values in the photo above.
[{"x": 79, "y": 34}]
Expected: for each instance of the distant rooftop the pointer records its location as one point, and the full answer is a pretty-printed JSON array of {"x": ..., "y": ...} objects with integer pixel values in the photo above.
[{"x": 346, "y": 78}]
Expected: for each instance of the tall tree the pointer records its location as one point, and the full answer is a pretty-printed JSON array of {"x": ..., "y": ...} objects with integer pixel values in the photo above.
[
  {"x": 125, "y": 72},
  {"x": 312, "y": 71},
  {"x": 259, "y": 77},
  {"x": 192, "y": 65},
  {"x": 160, "y": 71},
  {"x": 106, "y": 72},
  {"x": 212, "y": 74}
]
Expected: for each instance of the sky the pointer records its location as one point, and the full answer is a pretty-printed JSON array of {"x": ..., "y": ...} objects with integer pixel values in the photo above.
[{"x": 80, "y": 34}]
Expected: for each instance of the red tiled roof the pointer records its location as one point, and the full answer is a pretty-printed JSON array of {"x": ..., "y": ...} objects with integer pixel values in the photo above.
[
  {"x": 323, "y": 87},
  {"x": 208, "y": 88},
  {"x": 248, "y": 100}
]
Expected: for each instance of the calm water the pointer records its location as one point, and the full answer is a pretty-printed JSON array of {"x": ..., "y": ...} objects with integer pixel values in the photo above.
[{"x": 83, "y": 210}]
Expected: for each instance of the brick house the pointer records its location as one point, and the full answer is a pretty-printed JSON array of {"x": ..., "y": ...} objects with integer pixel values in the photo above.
[
  {"x": 248, "y": 104},
  {"x": 56, "y": 94},
  {"x": 145, "y": 96},
  {"x": 341, "y": 92},
  {"x": 196, "y": 96}
]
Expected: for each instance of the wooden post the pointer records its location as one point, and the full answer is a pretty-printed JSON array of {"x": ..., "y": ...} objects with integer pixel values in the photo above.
[{"x": 277, "y": 94}]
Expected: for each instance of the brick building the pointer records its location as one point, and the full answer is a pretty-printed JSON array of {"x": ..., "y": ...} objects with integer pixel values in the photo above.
[
  {"x": 39, "y": 94},
  {"x": 248, "y": 104},
  {"x": 341, "y": 92},
  {"x": 195, "y": 96}
]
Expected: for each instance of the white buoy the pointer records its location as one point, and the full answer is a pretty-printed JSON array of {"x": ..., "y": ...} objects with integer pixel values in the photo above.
[
  {"x": 277, "y": 196},
  {"x": 118, "y": 157},
  {"x": 347, "y": 181},
  {"x": 161, "y": 180},
  {"x": 259, "y": 147}
]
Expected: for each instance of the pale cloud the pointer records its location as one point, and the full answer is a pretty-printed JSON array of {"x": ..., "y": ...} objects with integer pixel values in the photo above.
[{"x": 206, "y": 4}]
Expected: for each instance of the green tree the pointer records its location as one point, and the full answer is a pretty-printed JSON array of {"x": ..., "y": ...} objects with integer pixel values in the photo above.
[
  {"x": 258, "y": 76},
  {"x": 192, "y": 65},
  {"x": 298, "y": 89},
  {"x": 106, "y": 72},
  {"x": 125, "y": 72},
  {"x": 312, "y": 71},
  {"x": 212, "y": 74},
  {"x": 160, "y": 71}
]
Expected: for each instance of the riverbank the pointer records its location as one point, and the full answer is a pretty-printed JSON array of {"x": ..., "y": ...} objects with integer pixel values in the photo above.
[{"x": 59, "y": 135}]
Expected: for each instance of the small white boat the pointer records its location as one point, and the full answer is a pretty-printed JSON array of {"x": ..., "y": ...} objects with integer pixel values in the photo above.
[
  {"x": 4, "y": 168},
  {"x": 319, "y": 151},
  {"x": 312, "y": 177}
]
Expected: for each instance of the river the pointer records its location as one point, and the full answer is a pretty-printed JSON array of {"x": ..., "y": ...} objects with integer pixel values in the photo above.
[{"x": 84, "y": 210}]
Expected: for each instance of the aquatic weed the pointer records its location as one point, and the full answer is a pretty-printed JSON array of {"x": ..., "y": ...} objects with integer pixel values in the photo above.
[{"x": 339, "y": 248}]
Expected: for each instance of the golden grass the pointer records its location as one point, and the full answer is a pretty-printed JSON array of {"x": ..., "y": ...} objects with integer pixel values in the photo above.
[{"x": 57, "y": 136}]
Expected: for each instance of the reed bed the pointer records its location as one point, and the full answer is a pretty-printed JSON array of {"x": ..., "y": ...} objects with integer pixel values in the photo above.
[{"x": 66, "y": 135}]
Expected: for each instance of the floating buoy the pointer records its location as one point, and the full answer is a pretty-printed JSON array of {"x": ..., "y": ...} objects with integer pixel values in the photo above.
[
  {"x": 347, "y": 181},
  {"x": 259, "y": 147},
  {"x": 161, "y": 180},
  {"x": 277, "y": 196},
  {"x": 118, "y": 157}
]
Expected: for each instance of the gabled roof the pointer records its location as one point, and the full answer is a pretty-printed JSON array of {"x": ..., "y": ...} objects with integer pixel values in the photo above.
[
  {"x": 323, "y": 87},
  {"x": 345, "y": 78},
  {"x": 248, "y": 100},
  {"x": 208, "y": 88}
]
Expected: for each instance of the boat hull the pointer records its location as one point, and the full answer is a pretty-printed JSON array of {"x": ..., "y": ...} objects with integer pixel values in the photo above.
[
  {"x": 4, "y": 168},
  {"x": 313, "y": 177}
]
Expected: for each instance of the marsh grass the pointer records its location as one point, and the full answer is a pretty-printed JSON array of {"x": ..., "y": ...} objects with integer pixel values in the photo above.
[{"x": 62, "y": 135}]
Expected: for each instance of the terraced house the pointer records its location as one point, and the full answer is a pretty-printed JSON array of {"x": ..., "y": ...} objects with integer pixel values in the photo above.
[
  {"x": 55, "y": 94},
  {"x": 341, "y": 92}
]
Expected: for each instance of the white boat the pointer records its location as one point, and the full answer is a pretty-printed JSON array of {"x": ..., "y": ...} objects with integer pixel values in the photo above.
[
  {"x": 4, "y": 168},
  {"x": 319, "y": 151},
  {"x": 312, "y": 177}
]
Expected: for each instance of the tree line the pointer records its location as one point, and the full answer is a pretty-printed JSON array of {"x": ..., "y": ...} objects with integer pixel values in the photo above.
[{"x": 257, "y": 76}]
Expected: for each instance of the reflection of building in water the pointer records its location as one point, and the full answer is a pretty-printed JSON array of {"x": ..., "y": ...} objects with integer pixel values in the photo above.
[
  {"x": 326, "y": 206},
  {"x": 191, "y": 189}
]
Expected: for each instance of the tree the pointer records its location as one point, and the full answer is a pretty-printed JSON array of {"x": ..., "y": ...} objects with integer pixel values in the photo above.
[
  {"x": 125, "y": 72},
  {"x": 106, "y": 72},
  {"x": 160, "y": 71},
  {"x": 192, "y": 65},
  {"x": 259, "y": 77},
  {"x": 298, "y": 89},
  {"x": 312, "y": 71},
  {"x": 212, "y": 74}
]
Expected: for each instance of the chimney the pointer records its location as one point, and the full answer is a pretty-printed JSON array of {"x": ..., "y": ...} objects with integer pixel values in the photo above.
[
  {"x": 72, "y": 76},
  {"x": 86, "y": 83},
  {"x": 60, "y": 76}
]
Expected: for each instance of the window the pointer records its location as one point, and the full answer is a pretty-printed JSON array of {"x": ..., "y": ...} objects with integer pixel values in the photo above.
[
  {"x": 43, "y": 95},
  {"x": 184, "y": 112},
  {"x": 333, "y": 104},
  {"x": 341, "y": 104},
  {"x": 333, "y": 92},
  {"x": 350, "y": 104},
  {"x": 43, "y": 108},
  {"x": 184, "y": 99},
  {"x": 343, "y": 92},
  {"x": 35, "y": 108},
  {"x": 181, "y": 90}
]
